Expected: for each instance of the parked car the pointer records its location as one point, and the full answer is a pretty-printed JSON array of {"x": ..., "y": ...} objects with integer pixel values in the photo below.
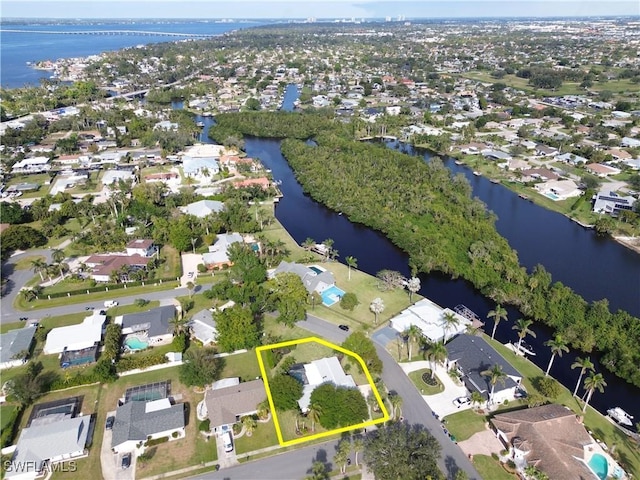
[
  {"x": 126, "y": 460},
  {"x": 110, "y": 303},
  {"x": 110, "y": 421},
  {"x": 344, "y": 327},
  {"x": 462, "y": 401}
]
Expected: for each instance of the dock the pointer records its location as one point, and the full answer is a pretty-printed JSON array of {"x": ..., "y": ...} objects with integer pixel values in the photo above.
[{"x": 469, "y": 314}]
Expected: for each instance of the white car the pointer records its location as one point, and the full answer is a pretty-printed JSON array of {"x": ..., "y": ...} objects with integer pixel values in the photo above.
[{"x": 462, "y": 401}]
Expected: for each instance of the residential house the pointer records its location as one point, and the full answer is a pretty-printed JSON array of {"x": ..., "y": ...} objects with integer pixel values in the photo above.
[
  {"x": 76, "y": 337},
  {"x": 496, "y": 155},
  {"x": 203, "y": 327},
  {"x": 200, "y": 162},
  {"x": 166, "y": 125},
  {"x": 630, "y": 142},
  {"x": 138, "y": 421},
  {"x": 312, "y": 280},
  {"x": 143, "y": 247},
  {"x": 314, "y": 374},
  {"x": 263, "y": 182},
  {"x": 103, "y": 266},
  {"x": 114, "y": 176},
  {"x": 545, "y": 151},
  {"x": 154, "y": 325},
  {"x": 550, "y": 438},
  {"x": 612, "y": 203},
  {"x": 225, "y": 406},
  {"x": 50, "y": 439},
  {"x": 428, "y": 317},
  {"x": 538, "y": 174},
  {"x": 559, "y": 189},
  {"x": 32, "y": 165},
  {"x": 218, "y": 252},
  {"x": 571, "y": 158},
  {"x": 203, "y": 208},
  {"x": 601, "y": 170},
  {"x": 15, "y": 346},
  {"x": 472, "y": 356}
]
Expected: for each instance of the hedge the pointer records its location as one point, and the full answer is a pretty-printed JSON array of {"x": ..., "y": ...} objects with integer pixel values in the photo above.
[
  {"x": 135, "y": 361},
  {"x": 157, "y": 441},
  {"x": 102, "y": 288}
]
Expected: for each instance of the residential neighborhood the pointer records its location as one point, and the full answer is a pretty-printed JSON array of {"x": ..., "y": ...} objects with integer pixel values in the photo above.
[{"x": 181, "y": 222}]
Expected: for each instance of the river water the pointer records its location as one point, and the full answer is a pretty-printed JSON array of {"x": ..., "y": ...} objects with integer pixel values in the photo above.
[{"x": 573, "y": 255}]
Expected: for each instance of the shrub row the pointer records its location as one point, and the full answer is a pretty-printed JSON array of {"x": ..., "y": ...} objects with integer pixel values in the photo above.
[
  {"x": 132, "y": 362},
  {"x": 102, "y": 288},
  {"x": 156, "y": 441}
]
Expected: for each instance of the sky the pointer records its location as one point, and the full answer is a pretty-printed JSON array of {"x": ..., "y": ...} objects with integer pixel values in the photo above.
[{"x": 359, "y": 9}]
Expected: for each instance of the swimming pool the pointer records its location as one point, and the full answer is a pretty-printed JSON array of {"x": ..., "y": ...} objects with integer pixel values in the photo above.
[
  {"x": 316, "y": 269},
  {"x": 552, "y": 196},
  {"x": 331, "y": 296},
  {"x": 134, "y": 343},
  {"x": 598, "y": 463}
]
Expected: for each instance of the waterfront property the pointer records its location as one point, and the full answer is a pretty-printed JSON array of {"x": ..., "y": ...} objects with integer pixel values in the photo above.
[
  {"x": 314, "y": 279},
  {"x": 553, "y": 440},
  {"x": 612, "y": 203},
  {"x": 428, "y": 317},
  {"x": 472, "y": 356}
]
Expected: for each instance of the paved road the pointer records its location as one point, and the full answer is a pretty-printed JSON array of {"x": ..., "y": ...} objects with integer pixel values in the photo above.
[{"x": 295, "y": 464}]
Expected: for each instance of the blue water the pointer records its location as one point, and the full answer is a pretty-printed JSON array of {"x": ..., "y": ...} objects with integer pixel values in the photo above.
[
  {"x": 316, "y": 269},
  {"x": 19, "y": 48},
  {"x": 134, "y": 343},
  {"x": 331, "y": 296},
  {"x": 599, "y": 465}
]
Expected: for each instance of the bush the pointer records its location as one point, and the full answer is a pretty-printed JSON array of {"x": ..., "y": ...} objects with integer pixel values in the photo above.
[
  {"x": 174, "y": 435},
  {"x": 286, "y": 391},
  {"x": 140, "y": 302},
  {"x": 205, "y": 425},
  {"x": 547, "y": 386},
  {"x": 349, "y": 301},
  {"x": 157, "y": 441},
  {"x": 135, "y": 361},
  {"x": 202, "y": 268}
]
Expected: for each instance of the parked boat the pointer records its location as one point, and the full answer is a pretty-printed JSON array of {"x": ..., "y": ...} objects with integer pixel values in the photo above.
[
  {"x": 477, "y": 173},
  {"x": 620, "y": 416},
  {"x": 493, "y": 180},
  {"x": 458, "y": 162},
  {"x": 200, "y": 124},
  {"x": 523, "y": 196}
]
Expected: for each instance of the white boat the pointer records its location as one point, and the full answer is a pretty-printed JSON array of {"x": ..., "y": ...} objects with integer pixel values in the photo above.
[
  {"x": 476, "y": 173},
  {"x": 620, "y": 416}
]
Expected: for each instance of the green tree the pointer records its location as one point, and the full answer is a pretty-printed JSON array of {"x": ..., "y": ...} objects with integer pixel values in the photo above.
[
  {"x": 285, "y": 391},
  {"x": 396, "y": 405},
  {"x": 476, "y": 398},
  {"x": 313, "y": 413},
  {"x": 247, "y": 267},
  {"x": 20, "y": 237},
  {"x": 549, "y": 387},
  {"x": 318, "y": 472},
  {"x": 413, "y": 285},
  {"x": 495, "y": 374},
  {"x": 105, "y": 371},
  {"x": 288, "y": 296},
  {"x": 449, "y": 322},
  {"x": 342, "y": 454},
  {"x": 180, "y": 235},
  {"x": 359, "y": 343},
  {"x": 339, "y": 406},
  {"x": 557, "y": 345},
  {"x": 315, "y": 298},
  {"x": 400, "y": 451},
  {"x": 358, "y": 446},
  {"x": 200, "y": 367},
  {"x": 39, "y": 266},
  {"x": 236, "y": 329},
  {"x": 377, "y": 307},
  {"x": 584, "y": 364},
  {"x": 437, "y": 355},
  {"x": 351, "y": 262},
  {"x": 349, "y": 301},
  {"x": 498, "y": 314},
  {"x": 522, "y": 326},
  {"x": 593, "y": 382},
  {"x": 411, "y": 334}
]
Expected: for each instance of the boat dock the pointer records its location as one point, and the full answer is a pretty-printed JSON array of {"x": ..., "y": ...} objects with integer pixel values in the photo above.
[
  {"x": 522, "y": 351},
  {"x": 469, "y": 314}
]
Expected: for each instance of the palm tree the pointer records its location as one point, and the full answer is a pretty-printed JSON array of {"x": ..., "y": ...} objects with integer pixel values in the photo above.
[
  {"x": 342, "y": 454},
  {"x": 28, "y": 294},
  {"x": 557, "y": 345},
  {"x": 396, "y": 404},
  {"x": 58, "y": 256},
  {"x": 377, "y": 307},
  {"x": 179, "y": 324},
  {"x": 449, "y": 321},
  {"x": 437, "y": 354},
  {"x": 413, "y": 285},
  {"x": 313, "y": 413},
  {"x": 190, "y": 287},
  {"x": 495, "y": 375},
  {"x": 476, "y": 398},
  {"x": 39, "y": 266},
  {"x": 352, "y": 262},
  {"x": 522, "y": 326},
  {"x": 594, "y": 381},
  {"x": 358, "y": 446},
  {"x": 249, "y": 423},
  {"x": 498, "y": 314},
  {"x": 309, "y": 243},
  {"x": 411, "y": 333},
  {"x": 328, "y": 246},
  {"x": 583, "y": 364}
]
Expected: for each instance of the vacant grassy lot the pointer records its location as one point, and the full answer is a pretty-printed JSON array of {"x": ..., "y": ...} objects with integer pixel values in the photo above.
[{"x": 25, "y": 263}]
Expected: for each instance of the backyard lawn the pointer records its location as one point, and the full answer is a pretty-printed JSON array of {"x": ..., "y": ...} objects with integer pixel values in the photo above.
[{"x": 243, "y": 365}]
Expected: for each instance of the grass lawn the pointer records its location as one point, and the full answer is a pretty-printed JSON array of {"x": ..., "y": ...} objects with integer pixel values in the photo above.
[
  {"x": 6, "y": 415},
  {"x": 287, "y": 422},
  {"x": 489, "y": 468},
  {"x": 243, "y": 365},
  {"x": 25, "y": 263},
  {"x": 423, "y": 388},
  {"x": 464, "y": 424},
  {"x": 263, "y": 436}
]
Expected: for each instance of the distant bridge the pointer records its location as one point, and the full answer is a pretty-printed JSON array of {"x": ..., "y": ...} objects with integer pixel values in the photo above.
[{"x": 147, "y": 33}]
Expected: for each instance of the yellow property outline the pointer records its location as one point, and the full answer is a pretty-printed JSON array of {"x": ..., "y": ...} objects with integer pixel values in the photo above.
[{"x": 263, "y": 371}]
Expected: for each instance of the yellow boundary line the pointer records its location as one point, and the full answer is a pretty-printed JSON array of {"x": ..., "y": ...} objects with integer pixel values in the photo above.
[{"x": 259, "y": 350}]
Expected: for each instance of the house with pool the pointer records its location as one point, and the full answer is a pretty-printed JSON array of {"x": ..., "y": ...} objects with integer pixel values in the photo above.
[
  {"x": 553, "y": 440},
  {"x": 142, "y": 329},
  {"x": 315, "y": 279},
  {"x": 77, "y": 344}
]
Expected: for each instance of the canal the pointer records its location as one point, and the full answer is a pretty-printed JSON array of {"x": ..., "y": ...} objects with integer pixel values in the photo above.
[{"x": 595, "y": 268}]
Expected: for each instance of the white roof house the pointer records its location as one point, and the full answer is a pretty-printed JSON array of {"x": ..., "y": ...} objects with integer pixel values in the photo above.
[
  {"x": 53, "y": 441},
  {"x": 201, "y": 168},
  {"x": 111, "y": 176},
  {"x": 76, "y": 337},
  {"x": 31, "y": 165},
  {"x": 559, "y": 189},
  {"x": 203, "y": 327},
  {"x": 428, "y": 317},
  {"x": 203, "y": 208},
  {"x": 323, "y": 371}
]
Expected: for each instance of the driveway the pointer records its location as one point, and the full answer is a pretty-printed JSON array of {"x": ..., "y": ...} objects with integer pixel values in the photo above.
[
  {"x": 384, "y": 336},
  {"x": 111, "y": 462},
  {"x": 190, "y": 263},
  {"x": 225, "y": 459},
  {"x": 481, "y": 443}
]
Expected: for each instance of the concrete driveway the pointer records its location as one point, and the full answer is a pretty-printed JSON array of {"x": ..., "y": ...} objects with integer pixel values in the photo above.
[
  {"x": 225, "y": 459},
  {"x": 481, "y": 443},
  {"x": 112, "y": 462},
  {"x": 441, "y": 403},
  {"x": 190, "y": 263}
]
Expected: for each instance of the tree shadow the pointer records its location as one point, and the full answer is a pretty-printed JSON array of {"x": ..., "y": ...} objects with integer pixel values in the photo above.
[{"x": 451, "y": 466}]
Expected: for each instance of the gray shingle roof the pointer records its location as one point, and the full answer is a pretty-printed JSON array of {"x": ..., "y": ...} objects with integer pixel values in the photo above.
[
  {"x": 50, "y": 440},
  {"x": 224, "y": 404},
  {"x": 311, "y": 280},
  {"x": 14, "y": 342},
  {"x": 133, "y": 422},
  {"x": 474, "y": 356},
  {"x": 155, "y": 321}
]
